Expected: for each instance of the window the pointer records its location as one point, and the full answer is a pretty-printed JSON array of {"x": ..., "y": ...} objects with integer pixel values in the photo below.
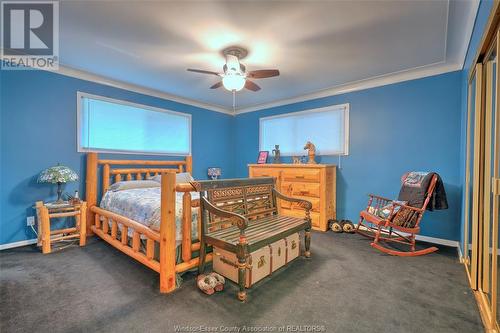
[
  {"x": 327, "y": 128},
  {"x": 111, "y": 125}
]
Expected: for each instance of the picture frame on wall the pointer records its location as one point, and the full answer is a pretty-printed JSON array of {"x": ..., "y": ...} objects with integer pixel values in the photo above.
[{"x": 262, "y": 159}]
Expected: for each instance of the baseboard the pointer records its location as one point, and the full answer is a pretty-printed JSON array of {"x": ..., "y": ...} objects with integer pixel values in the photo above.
[
  {"x": 18, "y": 244},
  {"x": 460, "y": 255},
  {"x": 440, "y": 241},
  {"x": 434, "y": 240}
]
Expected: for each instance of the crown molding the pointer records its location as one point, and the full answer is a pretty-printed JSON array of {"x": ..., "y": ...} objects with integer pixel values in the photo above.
[
  {"x": 88, "y": 76},
  {"x": 96, "y": 78},
  {"x": 469, "y": 30},
  {"x": 377, "y": 81}
]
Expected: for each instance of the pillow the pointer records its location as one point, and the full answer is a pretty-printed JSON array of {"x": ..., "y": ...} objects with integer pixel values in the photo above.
[
  {"x": 385, "y": 211},
  {"x": 406, "y": 218},
  {"x": 131, "y": 184},
  {"x": 182, "y": 177}
]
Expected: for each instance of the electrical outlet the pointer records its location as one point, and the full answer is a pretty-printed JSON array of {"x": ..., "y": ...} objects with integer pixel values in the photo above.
[{"x": 30, "y": 220}]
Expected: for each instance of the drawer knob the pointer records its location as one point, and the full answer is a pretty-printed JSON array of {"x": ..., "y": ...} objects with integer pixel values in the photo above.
[
  {"x": 304, "y": 192},
  {"x": 299, "y": 177}
]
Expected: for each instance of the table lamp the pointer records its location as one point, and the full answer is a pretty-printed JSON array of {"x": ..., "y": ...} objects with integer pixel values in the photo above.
[{"x": 59, "y": 175}]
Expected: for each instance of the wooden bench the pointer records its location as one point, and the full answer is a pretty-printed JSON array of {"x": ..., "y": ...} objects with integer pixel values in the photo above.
[{"x": 241, "y": 216}]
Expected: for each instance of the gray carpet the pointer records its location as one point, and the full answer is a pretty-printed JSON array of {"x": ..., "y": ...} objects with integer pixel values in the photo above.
[{"x": 346, "y": 287}]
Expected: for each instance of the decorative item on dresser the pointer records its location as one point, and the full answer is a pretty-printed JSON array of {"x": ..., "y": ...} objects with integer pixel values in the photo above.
[
  {"x": 276, "y": 154},
  {"x": 214, "y": 173},
  {"x": 313, "y": 182},
  {"x": 311, "y": 152},
  {"x": 262, "y": 158}
]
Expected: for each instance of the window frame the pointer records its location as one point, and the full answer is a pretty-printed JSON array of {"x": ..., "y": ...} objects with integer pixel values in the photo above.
[
  {"x": 79, "y": 101},
  {"x": 338, "y": 107}
]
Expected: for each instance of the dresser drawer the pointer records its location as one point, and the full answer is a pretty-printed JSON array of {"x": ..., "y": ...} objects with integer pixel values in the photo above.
[
  {"x": 295, "y": 206},
  {"x": 265, "y": 172},
  {"x": 315, "y": 217},
  {"x": 301, "y": 189},
  {"x": 301, "y": 175}
]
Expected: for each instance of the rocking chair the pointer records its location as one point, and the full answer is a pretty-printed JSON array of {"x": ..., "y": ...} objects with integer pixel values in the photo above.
[{"x": 387, "y": 221}]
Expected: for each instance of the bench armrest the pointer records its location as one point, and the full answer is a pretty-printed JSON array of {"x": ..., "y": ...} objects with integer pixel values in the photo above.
[
  {"x": 307, "y": 205},
  {"x": 241, "y": 221}
]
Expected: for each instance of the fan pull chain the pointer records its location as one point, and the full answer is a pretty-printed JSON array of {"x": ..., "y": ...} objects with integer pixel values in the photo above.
[{"x": 234, "y": 101}]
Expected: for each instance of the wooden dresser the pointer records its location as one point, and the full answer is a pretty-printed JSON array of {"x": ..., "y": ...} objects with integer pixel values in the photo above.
[{"x": 313, "y": 182}]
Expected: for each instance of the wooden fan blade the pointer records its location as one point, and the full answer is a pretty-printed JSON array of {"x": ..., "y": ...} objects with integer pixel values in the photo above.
[
  {"x": 202, "y": 71},
  {"x": 263, "y": 73},
  {"x": 217, "y": 85},
  {"x": 251, "y": 86}
]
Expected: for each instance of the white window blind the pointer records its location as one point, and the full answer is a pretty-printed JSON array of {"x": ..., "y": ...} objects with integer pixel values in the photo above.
[
  {"x": 106, "y": 124},
  {"x": 327, "y": 128}
]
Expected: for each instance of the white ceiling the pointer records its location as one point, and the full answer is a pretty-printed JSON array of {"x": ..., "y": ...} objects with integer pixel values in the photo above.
[{"x": 320, "y": 47}]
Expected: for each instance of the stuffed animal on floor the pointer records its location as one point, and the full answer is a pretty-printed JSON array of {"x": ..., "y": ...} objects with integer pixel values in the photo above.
[
  {"x": 207, "y": 284},
  {"x": 220, "y": 281},
  {"x": 211, "y": 283},
  {"x": 341, "y": 226},
  {"x": 347, "y": 226},
  {"x": 335, "y": 226}
]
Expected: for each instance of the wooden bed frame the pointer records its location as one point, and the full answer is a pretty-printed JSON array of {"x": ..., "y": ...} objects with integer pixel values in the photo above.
[{"x": 111, "y": 171}]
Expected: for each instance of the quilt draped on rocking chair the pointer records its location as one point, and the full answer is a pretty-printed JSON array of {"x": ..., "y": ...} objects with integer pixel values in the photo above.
[{"x": 414, "y": 190}]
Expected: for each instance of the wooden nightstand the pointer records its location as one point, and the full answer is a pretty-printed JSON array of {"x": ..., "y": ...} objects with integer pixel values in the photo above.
[{"x": 50, "y": 210}]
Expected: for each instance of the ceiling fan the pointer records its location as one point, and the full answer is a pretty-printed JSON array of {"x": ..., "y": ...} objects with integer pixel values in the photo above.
[{"x": 235, "y": 76}]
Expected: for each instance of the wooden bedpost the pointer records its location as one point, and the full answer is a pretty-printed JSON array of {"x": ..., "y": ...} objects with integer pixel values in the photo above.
[
  {"x": 186, "y": 227},
  {"x": 105, "y": 178},
  {"x": 91, "y": 189},
  {"x": 189, "y": 164},
  {"x": 167, "y": 233}
]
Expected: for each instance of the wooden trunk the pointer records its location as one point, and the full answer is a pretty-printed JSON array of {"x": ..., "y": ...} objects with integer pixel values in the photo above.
[
  {"x": 261, "y": 263},
  {"x": 313, "y": 182}
]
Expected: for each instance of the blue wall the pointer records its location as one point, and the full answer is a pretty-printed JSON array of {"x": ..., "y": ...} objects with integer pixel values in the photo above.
[
  {"x": 38, "y": 130},
  {"x": 413, "y": 125},
  {"x": 482, "y": 16}
]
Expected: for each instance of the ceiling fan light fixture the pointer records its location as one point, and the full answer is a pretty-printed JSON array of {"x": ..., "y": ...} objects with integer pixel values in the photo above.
[
  {"x": 232, "y": 64},
  {"x": 234, "y": 82}
]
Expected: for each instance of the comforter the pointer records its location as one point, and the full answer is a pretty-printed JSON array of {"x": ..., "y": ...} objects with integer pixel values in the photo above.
[{"x": 143, "y": 206}]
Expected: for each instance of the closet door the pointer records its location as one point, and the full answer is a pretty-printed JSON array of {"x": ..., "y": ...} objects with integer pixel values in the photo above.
[
  {"x": 495, "y": 186},
  {"x": 472, "y": 176},
  {"x": 489, "y": 209},
  {"x": 489, "y": 283}
]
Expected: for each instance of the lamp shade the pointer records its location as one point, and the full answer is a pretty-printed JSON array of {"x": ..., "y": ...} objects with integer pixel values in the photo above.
[
  {"x": 233, "y": 81},
  {"x": 57, "y": 174}
]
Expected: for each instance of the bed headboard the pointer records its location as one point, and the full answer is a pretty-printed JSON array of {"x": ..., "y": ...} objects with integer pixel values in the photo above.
[{"x": 106, "y": 172}]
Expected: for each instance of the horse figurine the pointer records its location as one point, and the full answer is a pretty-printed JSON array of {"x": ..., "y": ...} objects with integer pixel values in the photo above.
[
  {"x": 311, "y": 151},
  {"x": 276, "y": 154}
]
